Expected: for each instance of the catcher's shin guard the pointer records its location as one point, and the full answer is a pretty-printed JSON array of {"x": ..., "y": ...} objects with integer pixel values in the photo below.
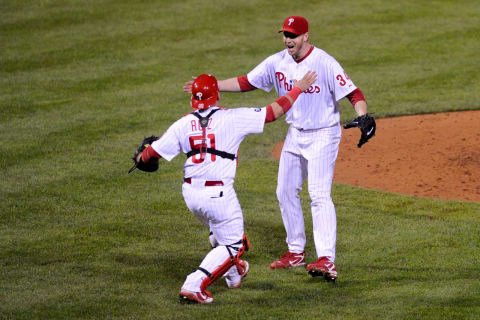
[
  {"x": 245, "y": 246},
  {"x": 235, "y": 253}
]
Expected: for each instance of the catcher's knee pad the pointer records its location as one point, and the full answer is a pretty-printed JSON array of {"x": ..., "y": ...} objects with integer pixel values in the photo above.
[{"x": 235, "y": 251}]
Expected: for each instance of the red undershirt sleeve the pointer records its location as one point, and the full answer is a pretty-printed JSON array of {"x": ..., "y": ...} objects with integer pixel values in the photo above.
[
  {"x": 355, "y": 96},
  {"x": 245, "y": 85},
  {"x": 149, "y": 153}
]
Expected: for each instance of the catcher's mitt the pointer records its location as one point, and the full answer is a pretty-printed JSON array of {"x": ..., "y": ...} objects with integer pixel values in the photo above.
[
  {"x": 367, "y": 125},
  {"x": 151, "y": 165}
]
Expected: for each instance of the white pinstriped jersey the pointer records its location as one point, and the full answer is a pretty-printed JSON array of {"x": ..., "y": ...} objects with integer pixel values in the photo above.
[
  {"x": 226, "y": 130},
  {"x": 318, "y": 107}
]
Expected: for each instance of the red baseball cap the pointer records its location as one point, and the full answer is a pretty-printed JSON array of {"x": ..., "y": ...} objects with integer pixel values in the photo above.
[{"x": 295, "y": 24}]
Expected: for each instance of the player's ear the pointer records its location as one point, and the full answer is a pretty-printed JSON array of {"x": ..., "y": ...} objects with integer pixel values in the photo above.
[{"x": 305, "y": 37}]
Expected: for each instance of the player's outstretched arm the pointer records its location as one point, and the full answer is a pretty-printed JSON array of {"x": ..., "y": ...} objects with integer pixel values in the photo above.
[
  {"x": 280, "y": 106},
  {"x": 187, "y": 87},
  {"x": 237, "y": 84},
  {"x": 228, "y": 85}
]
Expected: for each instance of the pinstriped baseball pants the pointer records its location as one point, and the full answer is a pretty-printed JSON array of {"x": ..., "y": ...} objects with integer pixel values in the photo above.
[
  {"x": 309, "y": 154},
  {"x": 218, "y": 208}
]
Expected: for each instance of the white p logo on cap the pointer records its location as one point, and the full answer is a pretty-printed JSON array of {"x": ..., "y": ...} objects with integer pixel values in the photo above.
[{"x": 290, "y": 21}]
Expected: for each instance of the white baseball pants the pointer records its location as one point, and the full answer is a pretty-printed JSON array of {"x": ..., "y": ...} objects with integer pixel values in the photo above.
[
  {"x": 312, "y": 154},
  {"x": 218, "y": 208}
]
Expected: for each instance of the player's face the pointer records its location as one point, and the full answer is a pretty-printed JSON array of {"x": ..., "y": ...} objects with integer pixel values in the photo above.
[{"x": 297, "y": 45}]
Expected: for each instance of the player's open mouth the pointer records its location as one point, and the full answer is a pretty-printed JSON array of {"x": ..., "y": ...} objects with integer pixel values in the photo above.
[{"x": 290, "y": 46}]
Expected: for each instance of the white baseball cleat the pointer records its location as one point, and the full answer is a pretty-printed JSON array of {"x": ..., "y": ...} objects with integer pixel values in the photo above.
[
  {"x": 234, "y": 280},
  {"x": 187, "y": 296}
]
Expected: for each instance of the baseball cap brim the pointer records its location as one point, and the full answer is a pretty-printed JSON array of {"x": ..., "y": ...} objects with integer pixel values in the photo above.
[{"x": 288, "y": 30}]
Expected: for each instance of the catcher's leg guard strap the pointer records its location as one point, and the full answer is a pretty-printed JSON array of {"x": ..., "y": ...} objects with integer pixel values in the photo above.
[
  {"x": 235, "y": 253},
  {"x": 206, "y": 272}
]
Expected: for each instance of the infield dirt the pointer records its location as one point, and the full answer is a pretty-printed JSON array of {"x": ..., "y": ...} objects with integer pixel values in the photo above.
[{"x": 433, "y": 155}]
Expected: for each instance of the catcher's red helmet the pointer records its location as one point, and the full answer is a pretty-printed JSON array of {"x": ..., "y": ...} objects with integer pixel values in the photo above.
[{"x": 204, "y": 92}]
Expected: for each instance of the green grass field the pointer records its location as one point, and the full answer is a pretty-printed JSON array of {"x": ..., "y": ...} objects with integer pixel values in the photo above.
[{"x": 82, "y": 82}]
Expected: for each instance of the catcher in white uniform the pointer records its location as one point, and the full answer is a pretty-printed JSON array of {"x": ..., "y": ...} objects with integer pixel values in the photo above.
[
  {"x": 311, "y": 146},
  {"x": 210, "y": 137}
]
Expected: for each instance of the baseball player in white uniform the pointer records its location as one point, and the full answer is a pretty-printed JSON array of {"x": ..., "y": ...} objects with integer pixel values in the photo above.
[
  {"x": 210, "y": 137},
  {"x": 311, "y": 146}
]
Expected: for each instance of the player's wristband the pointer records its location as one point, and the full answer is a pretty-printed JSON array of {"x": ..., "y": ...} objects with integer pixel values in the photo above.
[
  {"x": 269, "y": 116},
  {"x": 285, "y": 103},
  {"x": 294, "y": 93}
]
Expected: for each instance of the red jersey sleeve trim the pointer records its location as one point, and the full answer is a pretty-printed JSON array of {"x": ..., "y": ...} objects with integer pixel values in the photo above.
[
  {"x": 355, "y": 96},
  {"x": 245, "y": 85}
]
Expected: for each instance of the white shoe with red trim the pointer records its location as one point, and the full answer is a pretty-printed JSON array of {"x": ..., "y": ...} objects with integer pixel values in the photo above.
[{"x": 187, "y": 296}]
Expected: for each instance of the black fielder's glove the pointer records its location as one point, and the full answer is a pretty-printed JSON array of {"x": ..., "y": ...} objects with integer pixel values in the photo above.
[
  {"x": 367, "y": 125},
  {"x": 151, "y": 165}
]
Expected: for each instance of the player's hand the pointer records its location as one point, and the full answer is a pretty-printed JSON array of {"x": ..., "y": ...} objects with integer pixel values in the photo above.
[
  {"x": 187, "y": 87},
  {"x": 308, "y": 79}
]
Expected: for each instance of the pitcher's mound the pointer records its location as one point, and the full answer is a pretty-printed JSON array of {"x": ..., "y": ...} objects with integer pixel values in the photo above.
[{"x": 432, "y": 155}]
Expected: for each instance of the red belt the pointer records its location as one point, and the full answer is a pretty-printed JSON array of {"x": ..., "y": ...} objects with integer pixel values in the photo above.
[{"x": 207, "y": 183}]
